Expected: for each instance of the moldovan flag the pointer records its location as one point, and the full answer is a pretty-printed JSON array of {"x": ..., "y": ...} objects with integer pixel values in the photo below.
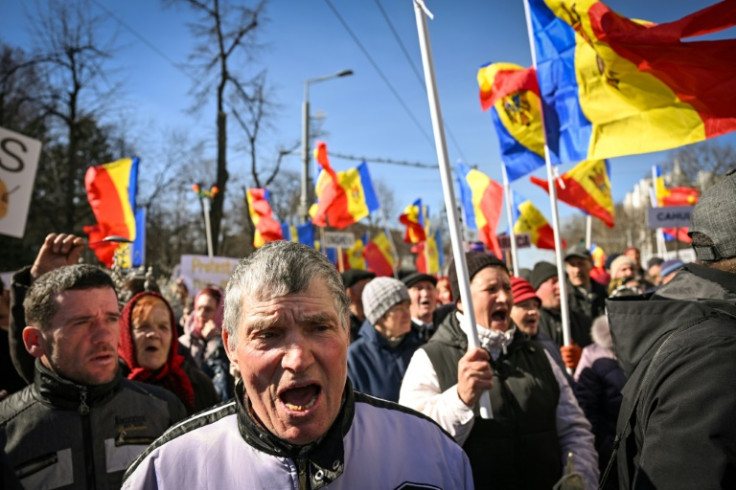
[
  {"x": 111, "y": 191},
  {"x": 512, "y": 93},
  {"x": 414, "y": 218},
  {"x": 267, "y": 228},
  {"x": 588, "y": 187},
  {"x": 528, "y": 219},
  {"x": 378, "y": 255},
  {"x": 481, "y": 199},
  {"x": 611, "y": 86},
  {"x": 303, "y": 233},
  {"x": 343, "y": 198},
  {"x": 676, "y": 196},
  {"x": 685, "y": 196}
]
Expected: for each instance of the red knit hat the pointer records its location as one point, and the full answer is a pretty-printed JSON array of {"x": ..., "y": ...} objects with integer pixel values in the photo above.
[{"x": 522, "y": 290}]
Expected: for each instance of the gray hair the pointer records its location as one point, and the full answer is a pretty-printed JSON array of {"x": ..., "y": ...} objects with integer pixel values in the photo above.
[
  {"x": 278, "y": 269},
  {"x": 39, "y": 304}
]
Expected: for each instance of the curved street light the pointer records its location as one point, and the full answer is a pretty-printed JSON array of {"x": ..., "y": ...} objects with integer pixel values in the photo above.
[{"x": 304, "y": 201}]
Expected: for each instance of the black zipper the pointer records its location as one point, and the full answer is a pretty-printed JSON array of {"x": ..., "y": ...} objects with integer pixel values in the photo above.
[
  {"x": 303, "y": 473},
  {"x": 89, "y": 460}
]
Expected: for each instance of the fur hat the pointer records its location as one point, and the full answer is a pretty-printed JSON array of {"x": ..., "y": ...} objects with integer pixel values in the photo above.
[{"x": 380, "y": 295}]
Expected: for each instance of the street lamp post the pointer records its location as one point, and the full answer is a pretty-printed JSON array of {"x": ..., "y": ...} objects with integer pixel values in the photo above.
[{"x": 304, "y": 201}]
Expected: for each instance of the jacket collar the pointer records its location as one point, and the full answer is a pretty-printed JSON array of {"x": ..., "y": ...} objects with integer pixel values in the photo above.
[
  {"x": 325, "y": 457},
  {"x": 66, "y": 394}
]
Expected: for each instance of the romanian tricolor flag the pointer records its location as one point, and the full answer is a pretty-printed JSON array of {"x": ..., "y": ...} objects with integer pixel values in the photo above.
[
  {"x": 414, "y": 217},
  {"x": 612, "y": 86},
  {"x": 588, "y": 187},
  {"x": 267, "y": 228},
  {"x": 343, "y": 198},
  {"x": 378, "y": 255},
  {"x": 684, "y": 196},
  {"x": 429, "y": 254},
  {"x": 482, "y": 199},
  {"x": 528, "y": 219},
  {"x": 303, "y": 233},
  {"x": 355, "y": 258},
  {"x": 111, "y": 191},
  {"x": 598, "y": 255},
  {"x": 512, "y": 93}
]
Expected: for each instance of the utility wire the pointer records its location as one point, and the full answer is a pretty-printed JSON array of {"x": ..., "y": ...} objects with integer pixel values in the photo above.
[
  {"x": 390, "y": 161},
  {"x": 144, "y": 40},
  {"x": 416, "y": 71},
  {"x": 380, "y": 73}
]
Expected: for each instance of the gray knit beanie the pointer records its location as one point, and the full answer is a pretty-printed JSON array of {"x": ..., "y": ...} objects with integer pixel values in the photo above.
[{"x": 381, "y": 294}]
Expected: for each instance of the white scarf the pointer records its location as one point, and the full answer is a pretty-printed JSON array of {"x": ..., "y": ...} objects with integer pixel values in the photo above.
[{"x": 492, "y": 341}]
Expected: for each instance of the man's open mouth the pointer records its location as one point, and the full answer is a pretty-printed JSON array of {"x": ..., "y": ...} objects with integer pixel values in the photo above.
[
  {"x": 300, "y": 399},
  {"x": 151, "y": 348}
]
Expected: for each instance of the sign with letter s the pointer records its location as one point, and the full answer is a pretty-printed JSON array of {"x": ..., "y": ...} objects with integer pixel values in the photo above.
[{"x": 18, "y": 163}]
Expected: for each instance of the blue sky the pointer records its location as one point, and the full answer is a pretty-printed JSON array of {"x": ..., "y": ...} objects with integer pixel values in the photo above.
[{"x": 305, "y": 39}]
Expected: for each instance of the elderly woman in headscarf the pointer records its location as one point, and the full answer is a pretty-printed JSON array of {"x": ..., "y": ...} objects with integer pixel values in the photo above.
[
  {"x": 149, "y": 350},
  {"x": 202, "y": 339}
]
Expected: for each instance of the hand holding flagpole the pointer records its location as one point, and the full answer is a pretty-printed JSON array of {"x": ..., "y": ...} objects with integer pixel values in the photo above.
[{"x": 452, "y": 215}]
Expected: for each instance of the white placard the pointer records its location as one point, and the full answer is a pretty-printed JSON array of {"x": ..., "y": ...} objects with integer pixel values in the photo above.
[
  {"x": 200, "y": 271},
  {"x": 339, "y": 239},
  {"x": 669, "y": 217},
  {"x": 18, "y": 163}
]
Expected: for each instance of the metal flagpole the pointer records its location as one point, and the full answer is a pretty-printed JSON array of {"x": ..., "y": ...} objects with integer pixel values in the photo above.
[
  {"x": 461, "y": 265},
  {"x": 207, "y": 229},
  {"x": 553, "y": 203},
  {"x": 510, "y": 218},
  {"x": 588, "y": 231},
  {"x": 661, "y": 246}
]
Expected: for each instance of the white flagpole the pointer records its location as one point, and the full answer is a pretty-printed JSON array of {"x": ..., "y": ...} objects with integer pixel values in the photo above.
[
  {"x": 207, "y": 229},
  {"x": 561, "y": 275},
  {"x": 588, "y": 231},
  {"x": 510, "y": 219},
  {"x": 461, "y": 265}
]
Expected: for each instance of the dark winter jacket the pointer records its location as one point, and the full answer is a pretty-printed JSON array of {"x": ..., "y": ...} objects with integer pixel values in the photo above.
[
  {"x": 524, "y": 399},
  {"x": 592, "y": 304},
  {"x": 57, "y": 434},
  {"x": 678, "y": 349},
  {"x": 374, "y": 367},
  {"x": 550, "y": 324},
  {"x": 598, "y": 389}
]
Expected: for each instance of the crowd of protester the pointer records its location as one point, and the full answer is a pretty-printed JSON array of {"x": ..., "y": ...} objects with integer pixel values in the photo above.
[{"x": 93, "y": 371}]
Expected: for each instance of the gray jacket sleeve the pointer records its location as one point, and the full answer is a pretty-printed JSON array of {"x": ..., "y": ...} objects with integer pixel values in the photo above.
[{"x": 574, "y": 432}]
